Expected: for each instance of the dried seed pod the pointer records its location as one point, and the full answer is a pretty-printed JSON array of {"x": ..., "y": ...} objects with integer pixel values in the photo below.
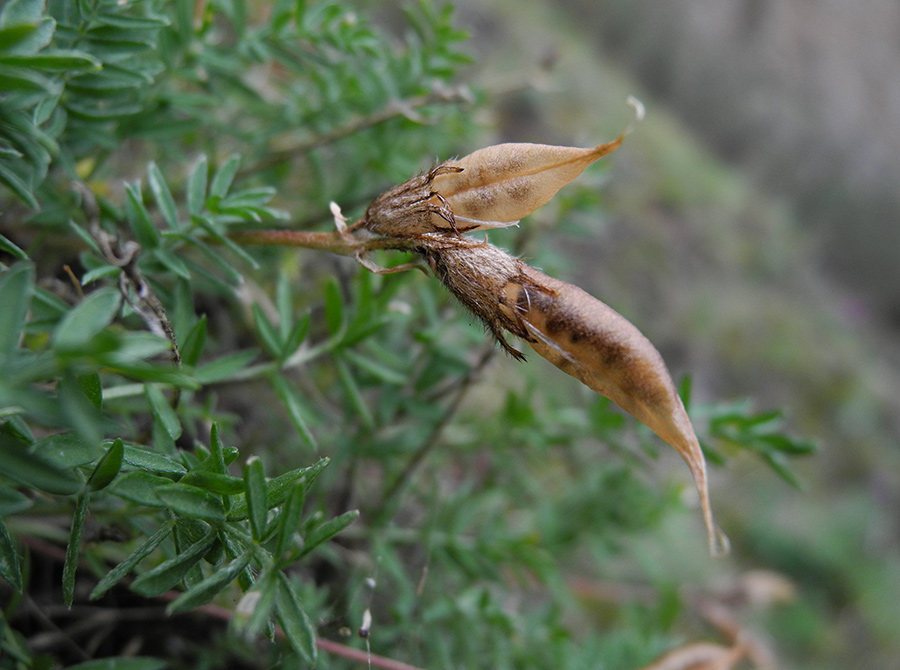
[
  {"x": 577, "y": 333},
  {"x": 493, "y": 187},
  {"x": 503, "y": 183}
]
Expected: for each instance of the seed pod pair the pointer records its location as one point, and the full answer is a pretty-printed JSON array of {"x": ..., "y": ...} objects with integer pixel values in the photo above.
[{"x": 494, "y": 187}]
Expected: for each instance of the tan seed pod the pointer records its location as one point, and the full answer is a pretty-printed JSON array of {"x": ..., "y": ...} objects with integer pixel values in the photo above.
[
  {"x": 578, "y": 334},
  {"x": 499, "y": 185},
  {"x": 493, "y": 187}
]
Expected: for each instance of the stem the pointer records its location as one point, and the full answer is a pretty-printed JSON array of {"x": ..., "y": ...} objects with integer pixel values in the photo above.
[{"x": 390, "y": 111}]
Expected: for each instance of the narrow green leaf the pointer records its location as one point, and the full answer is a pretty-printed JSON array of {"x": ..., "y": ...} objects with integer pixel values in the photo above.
[
  {"x": 173, "y": 262},
  {"x": 163, "y": 196},
  {"x": 352, "y": 391},
  {"x": 107, "y": 467},
  {"x": 266, "y": 331},
  {"x": 151, "y": 461},
  {"x": 381, "y": 372},
  {"x": 295, "y": 338},
  {"x": 252, "y": 612},
  {"x": 12, "y": 248},
  {"x": 73, "y": 550},
  {"x": 207, "y": 589},
  {"x": 196, "y": 189},
  {"x": 278, "y": 489},
  {"x": 334, "y": 306},
  {"x": 79, "y": 411},
  {"x": 163, "y": 411},
  {"x": 193, "y": 343},
  {"x": 15, "y": 295},
  {"x": 289, "y": 521},
  {"x": 167, "y": 574},
  {"x": 210, "y": 228},
  {"x": 327, "y": 530},
  {"x": 296, "y": 408},
  {"x": 191, "y": 502},
  {"x": 139, "y": 487},
  {"x": 13, "y": 502},
  {"x": 117, "y": 573},
  {"x": 294, "y": 621},
  {"x": 257, "y": 504},
  {"x": 18, "y": 464},
  {"x": 18, "y": 186},
  {"x": 284, "y": 303},
  {"x": 139, "y": 218},
  {"x": 10, "y": 569},
  {"x": 61, "y": 60},
  {"x": 214, "y": 482},
  {"x": 225, "y": 367},
  {"x": 221, "y": 181},
  {"x": 86, "y": 320},
  {"x": 216, "y": 449},
  {"x": 92, "y": 389}
]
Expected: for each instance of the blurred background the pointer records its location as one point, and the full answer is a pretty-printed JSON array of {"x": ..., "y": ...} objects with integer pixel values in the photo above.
[{"x": 752, "y": 230}]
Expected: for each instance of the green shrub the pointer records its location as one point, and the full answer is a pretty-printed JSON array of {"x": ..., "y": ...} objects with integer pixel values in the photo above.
[{"x": 378, "y": 468}]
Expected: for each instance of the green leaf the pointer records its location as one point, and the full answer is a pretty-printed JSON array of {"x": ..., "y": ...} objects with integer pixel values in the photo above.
[
  {"x": 221, "y": 181},
  {"x": 163, "y": 411},
  {"x": 207, "y": 589},
  {"x": 296, "y": 408},
  {"x": 73, "y": 550},
  {"x": 252, "y": 612},
  {"x": 191, "y": 502},
  {"x": 17, "y": 185},
  {"x": 9, "y": 559},
  {"x": 353, "y": 393},
  {"x": 21, "y": 11},
  {"x": 139, "y": 218},
  {"x": 328, "y": 530},
  {"x": 13, "y": 502},
  {"x": 79, "y": 411},
  {"x": 172, "y": 262},
  {"x": 12, "y": 248},
  {"x": 224, "y": 368},
  {"x": 214, "y": 482},
  {"x": 294, "y": 621},
  {"x": 167, "y": 574},
  {"x": 210, "y": 227},
  {"x": 196, "y": 190},
  {"x": 86, "y": 320},
  {"x": 216, "y": 450},
  {"x": 289, "y": 521},
  {"x": 56, "y": 60},
  {"x": 122, "y": 663},
  {"x": 151, "y": 461},
  {"x": 278, "y": 489},
  {"x": 163, "y": 196},
  {"x": 117, "y": 573},
  {"x": 18, "y": 464},
  {"x": 257, "y": 504},
  {"x": 139, "y": 487},
  {"x": 107, "y": 467},
  {"x": 334, "y": 306},
  {"x": 193, "y": 343},
  {"x": 65, "y": 450},
  {"x": 15, "y": 295},
  {"x": 266, "y": 331},
  {"x": 92, "y": 388}
]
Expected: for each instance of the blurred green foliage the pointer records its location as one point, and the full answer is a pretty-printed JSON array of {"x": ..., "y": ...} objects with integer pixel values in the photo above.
[{"x": 134, "y": 136}]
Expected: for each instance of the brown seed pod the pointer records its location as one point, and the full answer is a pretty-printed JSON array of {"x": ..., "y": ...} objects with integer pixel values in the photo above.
[
  {"x": 578, "y": 334},
  {"x": 493, "y": 187}
]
